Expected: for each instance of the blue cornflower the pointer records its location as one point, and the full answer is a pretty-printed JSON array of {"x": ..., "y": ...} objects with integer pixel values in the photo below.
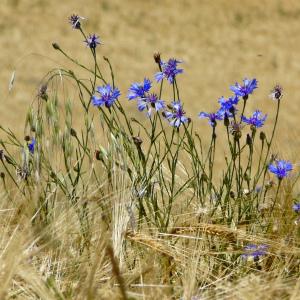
[
  {"x": 257, "y": 119},
  {"x": 108, "y": 96},
  {"x": 137, "y": 90},
  {"x": 176, "y": 117},
  {"x": 150, "y": 101},
  {"x": 254, "y": 251},
  {"x": 31, "y": 145},
  {"x": 227, "y": 105},
  {"x": 168, "y": 70},
  {"x": 281, "y": 168},
  {"x": 92, "y": 41},
  {"x": 246, "y": 89},
  {"x": 212, "y": 117},
  {"x": 296, "y": 207},
  {"x": 74, "y": 20}
]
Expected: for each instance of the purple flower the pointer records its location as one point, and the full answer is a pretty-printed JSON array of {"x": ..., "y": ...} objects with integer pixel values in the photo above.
[
  {"x": 254, "y": 251},
  {"x": 245, "y": 89},
  {"x": 176, "y": 117},
  {"x": 212, "y": 117},
  {"x": 296, "y": 207},
  {"x": 227, "y": 105},
  {"x": 92, "y": 41},
  {"x": 31, "y": 145},
  {"x": 257, "y": 119},
  {"x": 74, "y": 20},
  {"x": 108, "y": 96},
  {"x": 169, "y": 70},
  {"x": 150, "y": 101},
  {"x": 138, "y": 90},
  {"x": 281, "y": 168}
]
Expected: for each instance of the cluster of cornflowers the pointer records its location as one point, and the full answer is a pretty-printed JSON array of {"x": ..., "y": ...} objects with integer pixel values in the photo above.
[
  {"x": 228, "y": 108},
  {"x": 106, "y": 95},
  {"x": 147, "y": 100}
]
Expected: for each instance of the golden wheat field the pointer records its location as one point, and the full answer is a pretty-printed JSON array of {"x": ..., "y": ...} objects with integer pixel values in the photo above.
[{"x": 87, "y": 220}]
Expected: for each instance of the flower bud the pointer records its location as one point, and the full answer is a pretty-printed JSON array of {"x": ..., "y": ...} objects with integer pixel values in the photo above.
[
  {"x": 262, "y": 136},
  {"x": 226, "y": 120},
  {"x": 55, "y": 46},
  {"x": 73, "y": 132},
  {"x": 237, "y": 135},
  {"x": 157, "y": 58},
  {"x": 98, "y": 155},
  {"x": 249, "y": 140},
  {"x": 204, "y": 177}
]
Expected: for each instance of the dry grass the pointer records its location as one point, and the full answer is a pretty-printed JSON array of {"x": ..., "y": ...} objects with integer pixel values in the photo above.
[{"x": 220, "y": 42}]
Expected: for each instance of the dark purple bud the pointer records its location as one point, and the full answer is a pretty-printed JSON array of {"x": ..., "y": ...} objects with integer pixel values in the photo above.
[{"x": 157, "y": 58}]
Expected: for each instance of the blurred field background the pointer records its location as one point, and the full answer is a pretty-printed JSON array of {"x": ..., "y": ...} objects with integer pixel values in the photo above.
[{"x": 219, "y": 41}]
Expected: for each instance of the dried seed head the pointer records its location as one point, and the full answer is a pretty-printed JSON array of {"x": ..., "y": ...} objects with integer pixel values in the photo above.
[
  {"x": 2, "y": 175},
  {"x": 42, "y": 93},
  {"x": 236, "y": 129},
  {"x": 232, "y": 194},
  {"x": 27, "y": 138},
  {"x": 137, "y": 140},
  {"x": 276, "y": 93}
]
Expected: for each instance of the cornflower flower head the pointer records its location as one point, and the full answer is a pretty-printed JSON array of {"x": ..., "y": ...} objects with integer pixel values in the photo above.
[
  {"x": 150, "y": 101},
  {"x": 108, "y": 96},
  {"x": 169, "y": 70},
  {"x": 74, "y": 20},
  {"x": 276, "y": 93},
  {"x": 281, "y": 168},
  {"x": 212, "y": 117},
  {"x": 246, "y": 89},
  {"x": 138, "y": 90},
  {"x": 227, "y": 105},
  {"x": 31, "y": 145},
  {"x": 176, "y": 117},
  {"x": 296, "y": 207},
  {"x": 257, "y": 119},
  {"x": 254, "y": 251},
  {"x": 235, "y": 129},
  {"x": 92, "y": 41}
]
